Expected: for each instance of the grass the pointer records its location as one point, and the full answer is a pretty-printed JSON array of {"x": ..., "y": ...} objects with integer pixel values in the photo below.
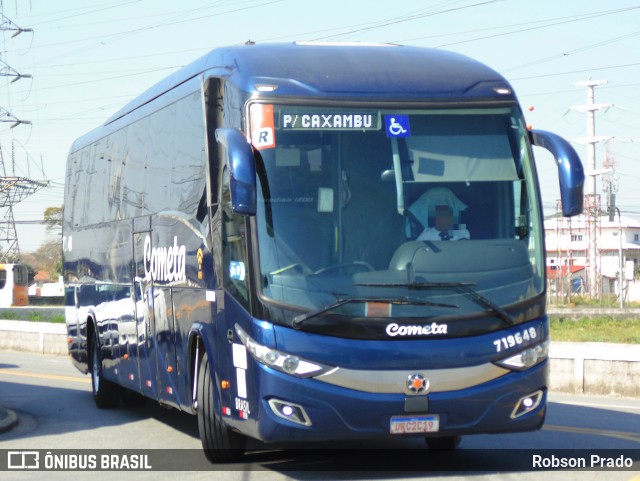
[
  {"x": 596, "y": 329},
  {"x": 16, "y": 315},
  {"x": 57, "y": 319},
  {"x": 608, "y": 300}
]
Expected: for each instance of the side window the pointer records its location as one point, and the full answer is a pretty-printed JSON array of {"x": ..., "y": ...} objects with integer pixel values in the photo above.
[
  {"x": 234, "y": 245},
  {"x": 21, "y": 275}
]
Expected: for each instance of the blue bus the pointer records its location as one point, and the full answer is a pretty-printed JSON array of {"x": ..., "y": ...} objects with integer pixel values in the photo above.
[{"x": 316, "y": 242}]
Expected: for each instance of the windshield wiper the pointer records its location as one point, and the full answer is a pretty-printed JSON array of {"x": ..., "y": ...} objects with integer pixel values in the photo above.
[
  {"x": 480, "y": 299},
  {"x": 417, "y": 285},
  {"x": 463, "y": 287},
  {"x": 301, "y": 318}
]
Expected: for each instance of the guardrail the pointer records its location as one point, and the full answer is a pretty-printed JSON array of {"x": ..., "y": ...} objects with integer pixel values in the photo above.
[
  {"x": 595, "y": 368},
  {"x": 28, "y": 336},
  {"x": 590, "y": 368}
]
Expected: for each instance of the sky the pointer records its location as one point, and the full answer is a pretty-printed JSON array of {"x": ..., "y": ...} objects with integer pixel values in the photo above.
[{"x": 87, "y": 59}]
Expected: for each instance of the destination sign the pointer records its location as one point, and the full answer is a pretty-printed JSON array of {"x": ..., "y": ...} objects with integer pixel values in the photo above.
[{"x": 329, "y": 121}]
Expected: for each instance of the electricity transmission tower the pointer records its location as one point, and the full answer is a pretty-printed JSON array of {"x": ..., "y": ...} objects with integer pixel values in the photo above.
[{"x": 13, "y": 189}]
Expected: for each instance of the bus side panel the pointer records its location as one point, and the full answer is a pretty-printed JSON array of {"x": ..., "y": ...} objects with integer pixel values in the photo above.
[
  {"x": 126, "y": 313},
  {"x": 191, "y": 308},
  {"x": 93, "y": 280},
  {"x": 167, "y": 379},
  {"x": 241, "y": 403},
  {"x": 175, "y": 256},
  {"x": 143, "y": 296},
  {"x": 84, "y": 311},
  {"x": 146, "y": 346}
]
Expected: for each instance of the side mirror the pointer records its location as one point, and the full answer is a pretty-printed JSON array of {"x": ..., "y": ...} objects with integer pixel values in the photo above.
[
  {"x": 242, "y": 170},
  {"x": 570, "y": 171}
]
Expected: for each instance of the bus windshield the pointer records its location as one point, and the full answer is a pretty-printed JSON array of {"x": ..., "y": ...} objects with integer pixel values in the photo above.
[{"x": 401, "y": 205}]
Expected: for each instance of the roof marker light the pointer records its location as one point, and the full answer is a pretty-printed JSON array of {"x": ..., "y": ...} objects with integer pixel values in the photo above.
[
  {"x": 502, "y": 90},
  {"x": 266, "y": 87}
]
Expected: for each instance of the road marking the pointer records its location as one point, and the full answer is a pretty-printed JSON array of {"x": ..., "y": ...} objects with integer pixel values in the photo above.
[
  {"x": 594, "y": 432},
  {"x": 10, "y": 372}
]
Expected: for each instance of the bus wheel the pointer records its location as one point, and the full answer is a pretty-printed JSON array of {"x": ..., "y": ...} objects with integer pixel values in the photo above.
[
  {"x": 105, "y": 393},
  {"x": 220, "y": 444},
  {"x": 446, "y": 443}
]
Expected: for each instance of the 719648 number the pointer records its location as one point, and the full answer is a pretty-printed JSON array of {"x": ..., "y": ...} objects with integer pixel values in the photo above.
[{"x": 516, "y": 339}]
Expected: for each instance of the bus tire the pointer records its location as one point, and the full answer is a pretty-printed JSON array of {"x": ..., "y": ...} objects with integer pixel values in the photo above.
[
  {"x": 105, "y": 393},
  {"x": 220, "y": 444},
  {"x": 446, "y": 443}
]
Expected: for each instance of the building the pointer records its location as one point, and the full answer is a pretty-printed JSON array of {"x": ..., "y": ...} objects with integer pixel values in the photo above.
[{"x": 616, "y": 243}]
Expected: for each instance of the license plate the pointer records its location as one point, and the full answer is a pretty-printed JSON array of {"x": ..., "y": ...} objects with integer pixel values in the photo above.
[{"x": 415, "y": 424}]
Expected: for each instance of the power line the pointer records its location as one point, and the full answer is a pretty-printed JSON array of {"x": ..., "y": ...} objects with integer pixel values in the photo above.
[
  {"x": 104, "y": 79},
  {"x": 574, "y": 51},
  {"x": 88, "y": 12},
  {"x": 556, "y": 22},
  {"x": 366, "y": 26},
  {"x": 571, "y": 72},
  {"x": 161, "y": 24}
]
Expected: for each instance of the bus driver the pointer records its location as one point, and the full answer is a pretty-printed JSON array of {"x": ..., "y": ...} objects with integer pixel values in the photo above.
[{"x": 440, "y": 209}]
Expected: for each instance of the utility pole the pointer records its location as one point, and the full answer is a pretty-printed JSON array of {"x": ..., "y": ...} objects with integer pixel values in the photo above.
[
  {"x": 592, "y": 199},
  {"x": 610, "y": 186},
  {"x": 610, "y": 182}
]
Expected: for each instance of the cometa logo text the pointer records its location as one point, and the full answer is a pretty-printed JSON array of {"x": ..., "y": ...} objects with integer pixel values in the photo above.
[
  {"x": 395, "y": 329},
  {"x": 165, "y": 264}
]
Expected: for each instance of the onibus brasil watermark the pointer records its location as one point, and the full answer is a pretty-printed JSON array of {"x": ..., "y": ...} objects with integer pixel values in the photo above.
[
  {"x": 194, "y": 460},
  {"x": 591, "y": 461},
  {"x": 80, "y": 461}
]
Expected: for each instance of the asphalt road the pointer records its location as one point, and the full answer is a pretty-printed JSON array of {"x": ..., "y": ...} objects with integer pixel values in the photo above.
[{"x": 56, "y": 412}]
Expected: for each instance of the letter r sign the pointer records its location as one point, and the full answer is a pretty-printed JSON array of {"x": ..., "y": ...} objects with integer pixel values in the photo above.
[
  {"x": 263, "y": 138},
  {"x": 262, "y": 126}
]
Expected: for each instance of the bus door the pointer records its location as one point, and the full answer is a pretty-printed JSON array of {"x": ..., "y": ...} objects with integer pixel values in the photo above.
[
  {"x": 143, "y": 297},
  {"x": 163, "y": 330},
  {"x": 121, "y": 307},
  {"x": 159, "y": 377}
]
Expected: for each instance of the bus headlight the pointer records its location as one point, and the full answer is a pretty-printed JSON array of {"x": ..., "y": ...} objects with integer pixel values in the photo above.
[
  {"x": 282, "y": 361},
  {"x": 527, "y": 358}
]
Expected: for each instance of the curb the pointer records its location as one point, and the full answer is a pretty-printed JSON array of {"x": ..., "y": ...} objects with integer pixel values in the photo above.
[{"x": 8, "y": 419}]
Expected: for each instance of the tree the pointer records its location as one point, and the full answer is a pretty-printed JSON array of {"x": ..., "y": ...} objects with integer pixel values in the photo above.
[
  {"x": 53, "y": 218},
  {"x": 47, "y": 258}
]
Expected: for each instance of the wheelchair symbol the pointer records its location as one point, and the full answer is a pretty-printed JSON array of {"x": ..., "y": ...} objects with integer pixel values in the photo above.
[
  {"x": 397, "y": 125},
  {"x": 395, "y": 128}
]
